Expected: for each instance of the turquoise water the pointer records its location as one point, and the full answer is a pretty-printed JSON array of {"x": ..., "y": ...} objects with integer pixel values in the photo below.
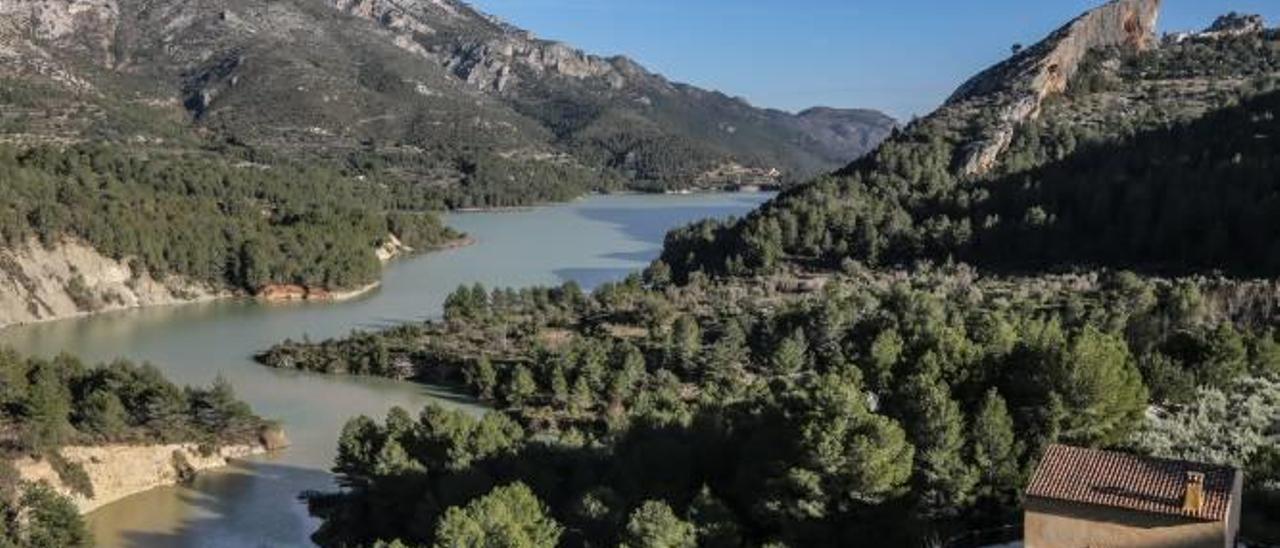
[{"x": 254, "y": 503}]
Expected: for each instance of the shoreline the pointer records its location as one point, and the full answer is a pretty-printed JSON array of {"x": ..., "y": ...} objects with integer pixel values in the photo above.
[
  {"x": 119, "y": 471},
  {"x": 685, "y": 193},
  {"x": 229, "y": 295},
  {"x": 300, "y": 294}
]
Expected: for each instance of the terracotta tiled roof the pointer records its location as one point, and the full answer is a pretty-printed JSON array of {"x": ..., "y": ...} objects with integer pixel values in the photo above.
[{"x": 1118, "y": 480}]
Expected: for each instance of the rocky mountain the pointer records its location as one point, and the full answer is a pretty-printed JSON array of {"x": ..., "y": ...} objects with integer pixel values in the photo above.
[
  {"x": 991, "y": 177},
  {"x": 431, "y": 91}
]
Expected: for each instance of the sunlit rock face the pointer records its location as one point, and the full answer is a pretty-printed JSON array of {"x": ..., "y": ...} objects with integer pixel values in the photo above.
[{"x": 1016, "y": 88}]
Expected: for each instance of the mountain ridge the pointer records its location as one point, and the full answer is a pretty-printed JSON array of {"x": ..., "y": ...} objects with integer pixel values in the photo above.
[
  {"x": 914, "y": 197},
  {"x": 381, "y": 78}
]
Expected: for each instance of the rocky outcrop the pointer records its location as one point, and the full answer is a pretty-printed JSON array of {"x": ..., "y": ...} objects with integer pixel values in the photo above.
[
  {"x": 31, "y": 29},
  {"x": 118, "y": 471},
  {"x": 86, "y": 22},
  {"x": 496, "y": 64},
  {"x": 1231, "y": 25},
  {"x": 1015, "y": 90},
  {"x": 68, "y": 279},
  {"x": 284, "y": 293},
  {"x": 391, "y": 249},
  {"x": 492, "y": 61},
  {"x": 1235, "y": 24}
]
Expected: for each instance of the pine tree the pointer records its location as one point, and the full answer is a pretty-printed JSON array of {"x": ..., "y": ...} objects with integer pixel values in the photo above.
[
  {"x": 995, "y": 448},
  {"x": 103, "y": 413},
  {"x": 520, "y": 386},
  {"x": 1102, "y": 390},
  {"x": 483, "y": 377},
  {"x": 583, "y": 398},
  {"x": 655, "y": 525},
  {"x": 559, "y": 386},
  {"x": 48, "y": 404},
  {"x": 686, "y": 343},
  {"x": 52, "y": 520},
  {"x": 509, "y": 516},
  {"x": 944, "y": 480},
  {"x": 715, "y": 524},
  {"x": 792, "y": 354}
]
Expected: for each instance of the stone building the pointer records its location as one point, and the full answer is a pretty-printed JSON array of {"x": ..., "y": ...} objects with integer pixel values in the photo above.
[{"x": 1085, "y": 498}]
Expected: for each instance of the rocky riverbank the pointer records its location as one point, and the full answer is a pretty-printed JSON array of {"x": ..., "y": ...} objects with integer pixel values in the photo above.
[
  {"x": 67, "y": 279},
  {"x": 119, "y": 471}
]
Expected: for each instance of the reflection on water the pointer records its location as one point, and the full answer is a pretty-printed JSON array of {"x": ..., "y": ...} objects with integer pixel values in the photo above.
[{"x": 255, "y": 503}]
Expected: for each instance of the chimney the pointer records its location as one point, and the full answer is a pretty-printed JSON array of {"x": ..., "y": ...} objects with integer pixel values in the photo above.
[{"x": 1194, "y": 500}]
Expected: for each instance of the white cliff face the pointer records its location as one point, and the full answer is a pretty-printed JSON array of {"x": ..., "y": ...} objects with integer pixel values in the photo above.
[
  {"x": 493, "y": 64},
  {"x": 391, "y": 248},
  {"x": 395, "y": 15},
  {"x": 118, "y": 471},
  {"x": 489, "y": 64},
  {"x": 39, "y": 283},
  {"x": 1017, "y": 88}
]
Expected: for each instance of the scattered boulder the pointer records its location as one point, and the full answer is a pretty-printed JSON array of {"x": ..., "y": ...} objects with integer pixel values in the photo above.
[{"x": 272, "y": 437}]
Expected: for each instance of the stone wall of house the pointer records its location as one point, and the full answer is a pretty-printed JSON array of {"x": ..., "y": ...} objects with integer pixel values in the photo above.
[{"x": 1059, "y": 524}]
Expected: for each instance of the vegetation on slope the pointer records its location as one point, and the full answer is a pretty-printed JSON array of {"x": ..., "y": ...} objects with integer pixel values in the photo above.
[
  {"x": 1128, "y": 152},
  {"x": 923, "y": 403},
  {"x": 723, "y": 400},
  {"x": 230, "y": 225},
  {"x": 339, "y": 82}
]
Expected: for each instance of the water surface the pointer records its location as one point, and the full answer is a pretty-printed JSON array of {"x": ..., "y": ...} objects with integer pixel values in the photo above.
[{"x": 254, "y": 503}]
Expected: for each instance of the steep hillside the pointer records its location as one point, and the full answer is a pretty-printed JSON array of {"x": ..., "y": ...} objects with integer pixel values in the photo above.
[
  {"x": 434, "y": 92},
  {"x": 829, "y": 370},
  {"x": 930, "y": 192},
  {"x": 87, "y": 228}
]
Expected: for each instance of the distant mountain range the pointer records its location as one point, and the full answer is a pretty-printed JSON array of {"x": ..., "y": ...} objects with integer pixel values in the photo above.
[{"x": 423, "y": 89}]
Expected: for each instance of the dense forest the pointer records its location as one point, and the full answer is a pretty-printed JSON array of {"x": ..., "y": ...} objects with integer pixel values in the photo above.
[
  {"x": 48, "y": 404},
  {"x": 1195, "y": 197},
  {"x": 923, "y": 403},
  {"x": 236, "y": 225},
  {"x": 881, "y": 353}
]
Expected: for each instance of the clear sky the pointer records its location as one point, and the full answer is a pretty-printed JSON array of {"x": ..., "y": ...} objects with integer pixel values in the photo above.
[{"x": 900, "y": 56}]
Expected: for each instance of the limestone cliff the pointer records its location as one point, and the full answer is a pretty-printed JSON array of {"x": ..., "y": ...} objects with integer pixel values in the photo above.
[
  {"x": 67, "y": 279},
  {"x": 490, "y": 60},
  {"x": 1014, "y": 91},
  {"x": 118, "y": 471}
]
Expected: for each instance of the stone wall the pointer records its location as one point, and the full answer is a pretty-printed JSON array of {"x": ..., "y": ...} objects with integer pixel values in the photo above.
[{"x": 1051, "y": 524}]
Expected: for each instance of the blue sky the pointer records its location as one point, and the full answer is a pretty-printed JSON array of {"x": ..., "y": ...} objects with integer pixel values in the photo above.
[{"x": 900, "y": 56}]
